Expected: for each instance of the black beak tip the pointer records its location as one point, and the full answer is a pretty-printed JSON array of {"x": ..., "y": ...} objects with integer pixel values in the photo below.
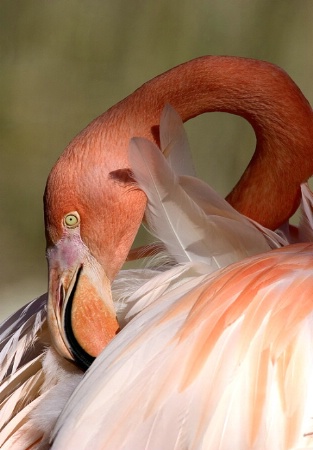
[{"x": 81, "y": 357}]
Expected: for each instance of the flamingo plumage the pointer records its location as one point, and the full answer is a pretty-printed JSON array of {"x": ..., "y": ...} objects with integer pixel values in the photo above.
[
  {"x": 221, "y": 361},
  {"x": 82, "y": 267}
]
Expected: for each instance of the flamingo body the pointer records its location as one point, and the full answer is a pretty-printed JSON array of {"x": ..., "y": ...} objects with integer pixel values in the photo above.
[
  {"x": 221, "y": 361},
  {"x": 203, "y": 333}
]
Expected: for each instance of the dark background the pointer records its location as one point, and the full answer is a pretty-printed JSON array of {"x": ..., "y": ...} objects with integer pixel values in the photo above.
[{"x": 65, "y": 62}]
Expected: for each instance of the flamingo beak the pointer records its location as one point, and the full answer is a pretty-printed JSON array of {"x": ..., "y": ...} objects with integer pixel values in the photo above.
[{"x": 81, "y": 315}]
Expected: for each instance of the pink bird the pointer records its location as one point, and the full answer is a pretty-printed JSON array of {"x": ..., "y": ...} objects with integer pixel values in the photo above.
[
  {"x": 93, "y": 210},
  {"x": 90, "y": 188}
]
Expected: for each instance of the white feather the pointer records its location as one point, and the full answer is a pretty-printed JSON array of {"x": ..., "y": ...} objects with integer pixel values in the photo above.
[
  {"x": 40, "y": 400},
  {"x": 180, "y": 223},
  {"x": 215, "y": 205},
  {"x": 19, "y": 336},
  {"x": 174, "y": 142}
]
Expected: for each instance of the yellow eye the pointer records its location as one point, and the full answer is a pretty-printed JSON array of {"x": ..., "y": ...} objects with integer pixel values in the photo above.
[{"x": 71, "y": 220}]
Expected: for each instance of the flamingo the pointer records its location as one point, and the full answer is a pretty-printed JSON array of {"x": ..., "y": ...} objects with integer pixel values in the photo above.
[
  {"x": 89, "y": 189},
  {"x": 82, "y": 265}
]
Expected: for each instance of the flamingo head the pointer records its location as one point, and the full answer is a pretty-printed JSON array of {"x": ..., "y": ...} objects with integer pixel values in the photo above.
[{"x": 92, "y": 214}]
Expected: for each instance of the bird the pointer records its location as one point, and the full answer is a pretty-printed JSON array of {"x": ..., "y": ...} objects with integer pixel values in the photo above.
[
  {"x": 83, "y": 262},
  {"x": 90, "y": 188}
]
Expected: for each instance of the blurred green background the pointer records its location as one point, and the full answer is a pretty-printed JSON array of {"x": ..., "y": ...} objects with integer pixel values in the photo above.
[{"x": 65, "y": 62}]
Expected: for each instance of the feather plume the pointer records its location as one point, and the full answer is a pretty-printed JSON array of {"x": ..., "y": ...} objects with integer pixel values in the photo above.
[
  {"x": 176, "y": 219},
  {"x": 176, "y": 149},
  {"x": 174, "y": 142}
]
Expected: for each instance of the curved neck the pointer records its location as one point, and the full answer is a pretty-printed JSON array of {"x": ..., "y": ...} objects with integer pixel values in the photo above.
[
  {"x": 260, "y": 92},
  {"x": 282, "y": 119}
]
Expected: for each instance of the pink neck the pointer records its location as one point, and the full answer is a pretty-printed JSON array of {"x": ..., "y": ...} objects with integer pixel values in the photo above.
[{"x": 261, "y": 93}]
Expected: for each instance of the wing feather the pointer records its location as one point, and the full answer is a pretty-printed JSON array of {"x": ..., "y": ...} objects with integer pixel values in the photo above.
[
  {"x": 180, "y": 223},
  {"x": 22, "y": 336},
  {"x": 174, "y": 142},
  {"x": 233, "y": 399}
]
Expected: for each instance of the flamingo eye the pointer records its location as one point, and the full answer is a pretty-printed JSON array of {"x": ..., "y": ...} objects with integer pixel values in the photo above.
[{"x": 71, "y": 220}]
